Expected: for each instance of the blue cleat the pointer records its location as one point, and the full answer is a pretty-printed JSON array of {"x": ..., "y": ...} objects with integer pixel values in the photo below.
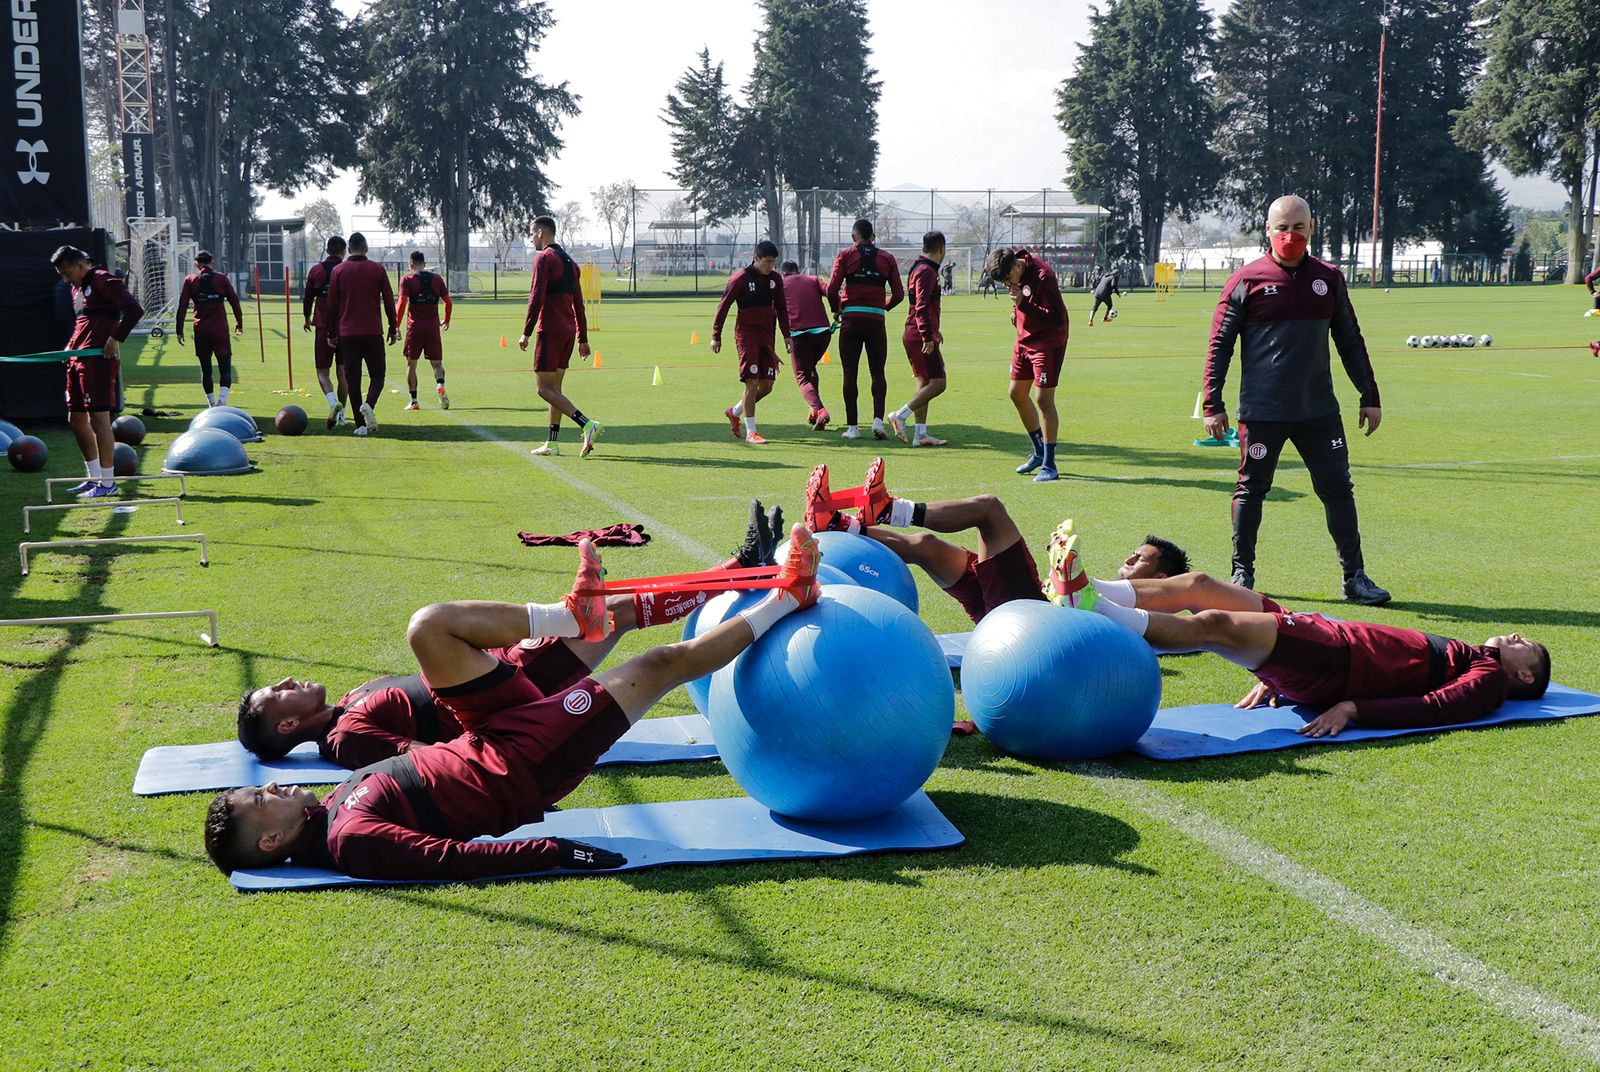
[
  {"x": 1033, "y": 462},
  {"x": 1045, "y": 475},
  {"x": 100, "y": 491}
]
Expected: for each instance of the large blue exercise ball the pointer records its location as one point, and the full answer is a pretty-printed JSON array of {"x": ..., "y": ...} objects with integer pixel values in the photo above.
[
  {"x": 1051, "y": 682},
  {"x": 206, "y": 452},
  {"x": 10, "y": 431},
  {"x": 865, "y": 562},
  {"x": 841, "y": 711},
  {"x": 719, "y": 608},
  {"x": 235, "y": 422}
]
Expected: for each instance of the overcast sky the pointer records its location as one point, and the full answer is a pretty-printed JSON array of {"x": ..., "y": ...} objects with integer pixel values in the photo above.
[{"x": 935, "y": 57}]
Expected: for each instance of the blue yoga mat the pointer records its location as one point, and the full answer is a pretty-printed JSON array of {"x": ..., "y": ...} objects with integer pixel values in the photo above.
[
  {"x": 736, "y": 829},
  {"x": 954, "y": 646},
  {"x": 190, "y": 768},
  {"x": 1223, "y": 730}
]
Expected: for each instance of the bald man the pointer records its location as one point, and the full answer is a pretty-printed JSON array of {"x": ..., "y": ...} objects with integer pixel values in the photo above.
[{"x": 1282, "y": 308}]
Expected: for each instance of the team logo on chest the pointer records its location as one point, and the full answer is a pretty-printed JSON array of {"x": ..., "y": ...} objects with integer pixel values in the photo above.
[{"x": 1319, "y": 287}]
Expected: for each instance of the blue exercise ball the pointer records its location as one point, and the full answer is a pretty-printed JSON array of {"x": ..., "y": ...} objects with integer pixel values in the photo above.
[
  {"x": 10, "y": 431},
  {"x": 865, "y": 562},
  {"x": 206, "y": 452},
  {"x": 235, "y": 422},
  {"x": 719, "y": 608},
  {"x": 5, "y": 440},
  {"x": 1051, "y": 682},
  {"x": 839, "y": 712}
]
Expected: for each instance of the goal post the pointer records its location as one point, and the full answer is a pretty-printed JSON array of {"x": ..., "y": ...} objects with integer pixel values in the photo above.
[
  {"x": 957, "y": 258},
  {"x": 157, "y": 261}
]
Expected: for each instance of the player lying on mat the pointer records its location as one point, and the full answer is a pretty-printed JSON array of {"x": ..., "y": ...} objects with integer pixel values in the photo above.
[
  {"x": 388, "y": 715},
  {"x": 1002, "y": 569},
  {"x": 414, "y": 816},
  {"x": 1377, "y": 676}
]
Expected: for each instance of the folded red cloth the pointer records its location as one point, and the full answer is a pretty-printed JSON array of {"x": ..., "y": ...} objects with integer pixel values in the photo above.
[
  {"x": 610, "y": 536},
  {"x": 963, "y": 727}
]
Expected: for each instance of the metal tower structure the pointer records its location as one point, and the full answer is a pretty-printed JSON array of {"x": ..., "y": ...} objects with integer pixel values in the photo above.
[{"x": 135, "y": 120}]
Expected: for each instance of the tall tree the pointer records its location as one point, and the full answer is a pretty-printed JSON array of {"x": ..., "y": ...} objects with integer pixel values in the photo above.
[
  {"x": 266, "y": 96},
  {"x": 616, "y": 204},
  {"x": 1536, "y": 107},
  {"x": 461, "y": 124},
  {"x": 1137, "y": 115},
  {"x": 816, "y": 94},
  {"x": 711, "y": 144},
  {"x": 322, "y": 221}
]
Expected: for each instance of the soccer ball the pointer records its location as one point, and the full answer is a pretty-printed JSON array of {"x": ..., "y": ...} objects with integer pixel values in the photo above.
[
  {"x": 1112, "y": 315},
  {"x": 1469, "y": 340},
  {"x": 1427, "y": 342},
  {"x": 1485, "y": 340},
  {"x": 1411, "y": 341}
]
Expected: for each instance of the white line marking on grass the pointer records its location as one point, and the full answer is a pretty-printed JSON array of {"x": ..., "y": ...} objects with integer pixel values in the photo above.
[
  {"x": 687, "y": 544},
  {"x": 1577, "y": 1031}
]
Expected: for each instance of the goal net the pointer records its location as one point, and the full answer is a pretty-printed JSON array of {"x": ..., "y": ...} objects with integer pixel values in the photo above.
[
  {"x": 958, "y": 259},
  {"x": 156, "y": 263}
]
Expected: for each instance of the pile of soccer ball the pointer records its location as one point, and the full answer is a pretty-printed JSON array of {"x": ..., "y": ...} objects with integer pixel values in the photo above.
[{"x": 1428, "y": 342}]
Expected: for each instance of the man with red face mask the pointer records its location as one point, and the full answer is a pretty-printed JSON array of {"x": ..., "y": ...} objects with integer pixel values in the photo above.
[{"x": 1282, "y": 308}]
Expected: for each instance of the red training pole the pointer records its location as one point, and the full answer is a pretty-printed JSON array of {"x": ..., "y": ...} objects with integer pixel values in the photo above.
[
  {"x": 1377, "y": 150},
  {"x": 288, "y": 327},
  {"x": 261, "y": 335}
]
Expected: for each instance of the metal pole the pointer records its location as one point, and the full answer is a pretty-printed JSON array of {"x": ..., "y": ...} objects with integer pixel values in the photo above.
[
  {"x": 633, "y": 266},
  {"x": 261, "y": 334},
  {"x": 1377, "y": 148},
  {"x": 88, "y": 619},
  {"x": 288, "y": 326}
]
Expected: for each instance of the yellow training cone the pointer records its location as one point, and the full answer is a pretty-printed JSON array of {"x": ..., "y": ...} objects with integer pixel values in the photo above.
[
  {"x": 694, "y": 338},
  {"x": 655, "y": 381},
  {"x": 824, "y": 360}
]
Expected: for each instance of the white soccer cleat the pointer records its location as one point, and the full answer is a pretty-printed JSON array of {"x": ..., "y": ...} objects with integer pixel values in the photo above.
[
  {"x": 852, "y": 432},
  {"x": 370, "y": 417},
  {"x": 547, "y": 450},
  {"x": 361, "y": 429},
  {"x": 444, "y": 399}
]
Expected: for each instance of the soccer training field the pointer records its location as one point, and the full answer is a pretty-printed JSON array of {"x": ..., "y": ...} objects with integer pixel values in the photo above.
[{"x": 1422, "y": 903}]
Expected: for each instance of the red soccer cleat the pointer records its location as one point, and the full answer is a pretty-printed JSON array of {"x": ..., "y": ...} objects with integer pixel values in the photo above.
[
  {"x": 799, "y": 570},
  {"x": 733, "y": 422},
  {"x": 820, "y": 514},
  {"x": 1594, "y": 348},
  {"x": 819, "y": 420},
  {"x": 587, "y": 600},
  {"x": 876, "y": 500}
]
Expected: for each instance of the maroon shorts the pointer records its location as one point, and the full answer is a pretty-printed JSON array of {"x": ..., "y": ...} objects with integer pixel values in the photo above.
[
  {"x": 92, "y": 384},
  {"x": 991, "y": 582},
  {"x": 552, "y": 353},
  {"x": 1310, "y": 663},
  {"x": 423, "y": 340},
  {"x": 757, "y": 359},
  {"x": 923, "y": 366},
  {"x": 1043, "y": 367},
  {"x": 522, "y": 750},
  {"x": 208, "y": 346},
  {"x": 550, "y": 664},
  {"x": 322, "y": 348}
]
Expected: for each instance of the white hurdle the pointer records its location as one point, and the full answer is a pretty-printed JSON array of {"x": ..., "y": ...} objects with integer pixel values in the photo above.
[
  {"x": 51, "y": 545},
  {"x": 100, "y": 504},
  {"x": 91, "y": 619},
  {"x": 53, "y": 482}
]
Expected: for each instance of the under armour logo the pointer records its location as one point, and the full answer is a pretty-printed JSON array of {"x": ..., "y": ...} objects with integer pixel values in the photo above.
[
  {"x": 34, "y": 149},
  {"x": 1270, "y": 288},
  {"x": 1336, "y": 444}
]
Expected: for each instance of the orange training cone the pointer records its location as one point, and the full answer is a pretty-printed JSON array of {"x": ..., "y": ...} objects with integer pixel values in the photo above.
[
  {"x": 502, "y": 342},
  {"x": 824, "y": 360},
  {"x": 597, "y": 363}
]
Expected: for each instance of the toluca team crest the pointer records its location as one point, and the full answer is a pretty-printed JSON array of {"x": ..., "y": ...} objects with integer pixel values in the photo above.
[
  {"x": 1319, "y": 287},
  {"x": 578, "y": 702},
  {"x": 1258, "y": 451}
]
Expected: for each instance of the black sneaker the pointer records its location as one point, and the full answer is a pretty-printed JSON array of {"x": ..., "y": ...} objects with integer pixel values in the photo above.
[
  {"x": 1244, "y": 578},
  {"x": 1358, "y": 588},
  {"x": 757, "y": 538}
]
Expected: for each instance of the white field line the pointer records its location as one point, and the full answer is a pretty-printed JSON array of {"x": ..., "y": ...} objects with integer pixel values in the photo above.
[{"x": 1575, "y": 1030}]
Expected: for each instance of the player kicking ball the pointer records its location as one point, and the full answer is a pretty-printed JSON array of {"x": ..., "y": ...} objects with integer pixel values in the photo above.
[{"x": 416, "y": 815}]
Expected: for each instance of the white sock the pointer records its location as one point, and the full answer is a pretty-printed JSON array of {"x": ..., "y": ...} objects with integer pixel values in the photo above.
[
  {"x": 552, "y": 619},
  {"x": 852, "y": 525},
  {"x": 922, "y": 430},
  {"x": 93, "y": 468},
  {"x": 749, "y": 426},
  {"x": 210, "y": 399},
  {"x": 223, "y": 396},
  {"x": 877, "y": 424},
  {"x": 1119, "y": 592},
  {"x": 1132, "y": 617},
  {"x": 768, "y": 612},
  {"x": 737, "y": 409},
  {"x": 903, "y": 412},
  {"x": 900, "y": 511},
  {"x": 333, "y": 400}
]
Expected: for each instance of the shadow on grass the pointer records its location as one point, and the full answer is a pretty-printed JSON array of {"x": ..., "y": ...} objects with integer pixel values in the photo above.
[
  {"x": 1495, "y": 617},
  {"x": 1036, "y": 834},
  {"x": 119, "y": 845}
]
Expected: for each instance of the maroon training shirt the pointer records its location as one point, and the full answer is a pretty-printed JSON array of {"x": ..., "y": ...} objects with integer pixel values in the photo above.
[
  {"x": 359, "y": 292},
  {"x": 384, "y": 718},
  {"x": 315, "y": 297},
  {"x": 211, "y": 293},
  {"x": 1040, "y": 315},
  {"x": 863, "y": 297},
  {"x": 424, "y": 314},
  {"x": 804, "y": 301},
  {"x": 761, "y": 305},
  {"x": 107, "y": 309},
  {"x": 1282, "y": 318},
  {"x": 922, "y": 318},
  {"x": 1402, "y": 678},
  {"x": 555, "y": 299}
]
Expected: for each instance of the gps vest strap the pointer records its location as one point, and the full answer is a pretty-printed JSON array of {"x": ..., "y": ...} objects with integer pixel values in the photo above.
[
  {"x": 425, "y": 295},
  {"x": 867, "y": 272},
  {"x": 1438, "y": 660},
  {"x": 404, "y": 772},
  {"x": 205, "y": 288},
  {"x": 568, "y": 283},
  {"x": 328, "y": 265}
]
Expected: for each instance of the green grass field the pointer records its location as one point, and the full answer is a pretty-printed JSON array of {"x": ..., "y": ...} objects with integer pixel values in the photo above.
[{"x": 1423, "y": 903}]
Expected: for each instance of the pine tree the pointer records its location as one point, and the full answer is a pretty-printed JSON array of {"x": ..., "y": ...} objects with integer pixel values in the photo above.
[
  {"x": 461, "y": 124},
  {"x": 712, "y": 144}
]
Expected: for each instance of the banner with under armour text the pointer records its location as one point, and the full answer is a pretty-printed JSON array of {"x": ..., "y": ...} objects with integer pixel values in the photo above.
[{"x": 44, "y": 174}]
